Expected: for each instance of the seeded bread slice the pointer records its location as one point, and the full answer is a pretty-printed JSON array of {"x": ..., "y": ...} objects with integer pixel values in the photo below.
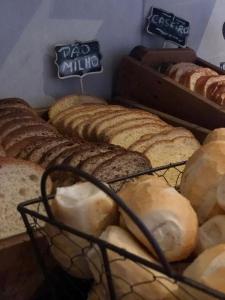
[
  {"x": 11, "y": 126},
  {"x": 37, "y": 143},
  {"x": 128, "y": 136},
  {"x": 25, "y": 132},
  {"x": 6, "y": 101},
  {"x": 165, "y": 152},
  {"x": 90, "y": 164},
  {"x": 20, "y": 181},
  {"x": 116, "y": 121},
  {"x": 71, "y": 100},
  {"x": 143, "y": 143},
  {"x": 37, "y": 154},
  {"x": 121, "y": 165}
]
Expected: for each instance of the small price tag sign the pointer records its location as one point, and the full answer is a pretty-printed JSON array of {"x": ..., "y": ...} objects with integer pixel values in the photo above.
[
  {"x": 78, "y": 59},
  {"x": 168, "y": 26}
]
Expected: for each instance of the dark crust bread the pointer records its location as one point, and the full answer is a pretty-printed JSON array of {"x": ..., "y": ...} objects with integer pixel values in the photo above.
[
  {"x": 15, "y": 110},
  {"x": 36, "y": 143},
  {"x": 92, "y": 163},
  {"x": 37, "y": 154},
  {"x": 15, "y": 117},
  {"x": 121, "y": 165},
  {"x": 7, "y": 101}
]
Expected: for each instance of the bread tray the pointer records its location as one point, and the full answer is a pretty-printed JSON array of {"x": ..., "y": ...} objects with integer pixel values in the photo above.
[{"x": 59, "y": 284}]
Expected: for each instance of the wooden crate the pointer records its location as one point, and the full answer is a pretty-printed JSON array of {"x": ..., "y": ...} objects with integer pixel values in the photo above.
[{"x": 138, "y": 79}]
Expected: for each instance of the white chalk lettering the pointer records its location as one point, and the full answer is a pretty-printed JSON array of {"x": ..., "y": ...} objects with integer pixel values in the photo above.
[
  {"x": 155, "y": 19},
  {"x": 85, "y": 49},
  {"x": 94, "y": 61},
  {"x": 75, "y": 52},
  {"x": 80, "y": 65},
  {"x": 87, "y": 62},
  {"x": 65, "y": 50},
  {"x": 67, "y": 66}
]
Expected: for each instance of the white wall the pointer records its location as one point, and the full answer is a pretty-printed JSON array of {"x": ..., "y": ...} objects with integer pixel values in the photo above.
[{"x": 30, "y": 28}]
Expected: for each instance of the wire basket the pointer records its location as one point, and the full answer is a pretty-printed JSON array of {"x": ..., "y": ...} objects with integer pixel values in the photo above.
[{"x": 107, "y": 261}]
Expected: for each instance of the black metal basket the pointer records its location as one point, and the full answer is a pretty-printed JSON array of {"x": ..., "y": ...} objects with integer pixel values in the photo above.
[{"x": 59, "y": 284}]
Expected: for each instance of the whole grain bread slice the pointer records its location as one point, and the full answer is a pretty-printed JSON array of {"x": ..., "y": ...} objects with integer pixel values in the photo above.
[
  {"x": 11, "y": 126},
  {"x": 147, "y": 140},
  {"x": 162, "y": 153},
  {"x": 128, "y": 136},
  {"x": 121, "y": 165},
  {"x": 20, "y": 181},
  {"x": 90, "y": 164},
  {"x": 71, "y": 100},
  {"x": 36, "y": 154},
  {"x": 25, "y": 132}
]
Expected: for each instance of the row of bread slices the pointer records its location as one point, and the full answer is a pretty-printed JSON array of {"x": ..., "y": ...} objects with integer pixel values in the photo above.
[
  {"x": 167, "y": 214},
  {"x": 133, "y": 129},
  {"x": 204, "y": 81},
  {"x": 25, "y": 135}
]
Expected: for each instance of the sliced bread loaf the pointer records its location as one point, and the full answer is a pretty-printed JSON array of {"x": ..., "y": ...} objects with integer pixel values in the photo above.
[
  {"x": 20, "y": 181},
  {"x": 20, "y": 134},
  {"x": 192, "y": 77},
  {"x": 72, "y": 100},
  {"x": 205, "y": 88},
  {"x": 25, "y": 111},
  {"x": 162, "y": 153},
  {"x": 146, "y": 141},
  {"x": 121, "y": 165},
  {"x": 128, "y": 136}
]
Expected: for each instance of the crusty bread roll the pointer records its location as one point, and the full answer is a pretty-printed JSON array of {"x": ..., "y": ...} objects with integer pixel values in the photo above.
[
  {"x": 208, "y": 269},
  {"x": 166, "y": 213},
  {"x": 86, "y": 208},
  {"x": 215, "y": 135},
  {"x": 131, "y": 280},
  {"x": 203, "y": 180},
  {"x": 211, "y": 233}
]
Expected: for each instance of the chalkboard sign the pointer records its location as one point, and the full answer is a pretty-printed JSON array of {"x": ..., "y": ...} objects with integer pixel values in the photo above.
[
  {"x": 78, "y": 59},
  {"x": 168, "y": 26}
]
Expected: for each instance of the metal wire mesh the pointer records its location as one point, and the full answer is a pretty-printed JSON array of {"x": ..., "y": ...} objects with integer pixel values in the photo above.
[{"x": 97, "y": 270}]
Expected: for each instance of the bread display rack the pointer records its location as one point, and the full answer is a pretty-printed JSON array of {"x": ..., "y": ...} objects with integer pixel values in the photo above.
[
  {"x": 139, "y": 78},
  {"x": 65, "y": 287}
]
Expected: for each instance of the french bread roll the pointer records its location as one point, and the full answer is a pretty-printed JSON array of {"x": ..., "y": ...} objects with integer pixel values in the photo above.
[
  {"x": 209, "y": 269},
  {"x": 131, "y": 281},
  {"x": 166, "y": 213},
  {"x": 211, "y": 233},
  {"x": 215, "y": 135},
  {"x": 85, "y": 208},
  {"x": 203, "y": 180}
]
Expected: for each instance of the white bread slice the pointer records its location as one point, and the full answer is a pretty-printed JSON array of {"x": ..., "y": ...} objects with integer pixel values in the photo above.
[
  {"x": 192, "y": 77},
  {"x": 209, "y": 269},
  {"x": 130, "y": 279},
  {"x": 128, "y": 136},
  {"x": 20, "y": 181},
  {"x": 203, "y": 180},
  {"x": 211, "y": 233},
  {"x": 162, "y": 153},
  {"x": 73, "y": 109},
  {"x": 174, "y": 69},
  {"x": 147, "y": 140},
  {"x": 122, "y": 122},
  {"x": 72, "y": 100},
  {"x": 215, "y": 135},
  {"x": 111, "y": 131},
  {"x": 167, "y": 214},
  {"x": 94, "y": 211}
]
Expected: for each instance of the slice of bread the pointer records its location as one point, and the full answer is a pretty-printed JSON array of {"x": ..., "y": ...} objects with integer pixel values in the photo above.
[
  {"x": 72, "y": 100},
  {"x": 146, "y": 141},
  {"x": 121, "y": 165},
  {"x": 111, "y": 131},
  {"x": 11, "y": 101},
  {"x": 192, "y": 77},
  {"x": 219, "y": 96},
  {"x": 91, "y": 164},
  {"x": 128, "y": 136},
  {"x": 205, "y": 88},
  {"x": 172, "y": 71},
  {"x": 20, "y": 181},
  {"x": 117, "y": 121},
  {"x": 37, "y": 154},
  {"x": 26, "y": 132},
  {"x": 162, "y": 153},
  {"x": 11, "y": 126}
]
